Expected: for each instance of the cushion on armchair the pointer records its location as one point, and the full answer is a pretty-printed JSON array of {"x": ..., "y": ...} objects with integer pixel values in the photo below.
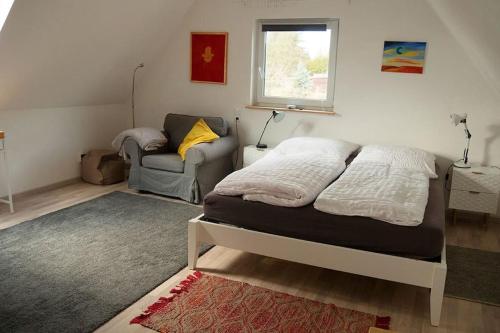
[
  {"x": 168, "y": 162},
  {"x": 177, "y": 126},
  {"x": 200, "y": 133}
]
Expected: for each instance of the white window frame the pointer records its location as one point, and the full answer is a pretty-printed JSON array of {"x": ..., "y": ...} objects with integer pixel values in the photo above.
[{"x": 259, "y": 72}]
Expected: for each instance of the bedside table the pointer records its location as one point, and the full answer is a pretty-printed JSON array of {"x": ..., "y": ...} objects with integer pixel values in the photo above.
[
  {"x": 475, "y": 189},
  {"x": 251, "y": 154}
]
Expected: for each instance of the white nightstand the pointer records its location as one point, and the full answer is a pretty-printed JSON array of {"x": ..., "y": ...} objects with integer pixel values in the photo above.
[
  {"x": 252, "y": 154},
  {"x": 475, "y": 189}
]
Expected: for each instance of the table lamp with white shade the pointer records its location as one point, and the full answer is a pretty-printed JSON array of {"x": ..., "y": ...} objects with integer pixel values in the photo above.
[{"x": 457, "y": 119}]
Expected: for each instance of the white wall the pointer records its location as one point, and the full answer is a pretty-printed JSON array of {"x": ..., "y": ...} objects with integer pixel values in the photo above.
[
  {"x": 44, "y": 145},
  {"x": 462, "y": 73}
]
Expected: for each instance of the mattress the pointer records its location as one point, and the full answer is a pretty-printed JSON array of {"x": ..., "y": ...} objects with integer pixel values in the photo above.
[{"x": 424, "y": 241}]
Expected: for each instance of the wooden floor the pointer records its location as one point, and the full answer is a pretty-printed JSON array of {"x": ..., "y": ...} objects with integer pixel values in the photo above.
[{"x": 407, "y": 305}]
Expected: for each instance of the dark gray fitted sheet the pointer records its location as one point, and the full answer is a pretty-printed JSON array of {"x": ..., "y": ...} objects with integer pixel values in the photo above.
[{"x": 424, "y": 241}]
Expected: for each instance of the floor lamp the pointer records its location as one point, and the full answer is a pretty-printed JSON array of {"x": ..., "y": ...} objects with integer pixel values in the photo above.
[{"x": 141, "y": 65}]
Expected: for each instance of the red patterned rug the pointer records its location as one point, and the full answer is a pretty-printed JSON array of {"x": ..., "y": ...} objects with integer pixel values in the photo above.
[{"x": 208, "y": 303}]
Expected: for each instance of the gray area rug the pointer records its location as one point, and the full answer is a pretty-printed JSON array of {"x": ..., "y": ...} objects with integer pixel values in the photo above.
[
  {"x": 473, "y": 275},
  {"x": 74, "y": 269}
]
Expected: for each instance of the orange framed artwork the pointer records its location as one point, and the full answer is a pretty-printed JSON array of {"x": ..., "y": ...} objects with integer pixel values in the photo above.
[{"x": 209, "y": 57}]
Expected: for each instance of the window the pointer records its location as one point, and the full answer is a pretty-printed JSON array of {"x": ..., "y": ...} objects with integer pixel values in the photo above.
[
  {"x": 296, "y": 62},
  {"x": 5, "y": 6}
]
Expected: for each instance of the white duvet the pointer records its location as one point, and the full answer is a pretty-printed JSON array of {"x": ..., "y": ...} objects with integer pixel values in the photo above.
[
  {"x": 393, "y": 195},
  {"x": 292, "y": 174},
  {"x": 385, "y": 183}
]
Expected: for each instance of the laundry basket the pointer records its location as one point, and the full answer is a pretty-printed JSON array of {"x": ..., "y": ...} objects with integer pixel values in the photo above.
[{"x": 102, "y": 167}]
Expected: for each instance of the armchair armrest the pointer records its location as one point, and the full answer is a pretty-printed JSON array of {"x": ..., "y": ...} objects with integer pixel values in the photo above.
[
  {"x": 207, "y": 152},
  {"x": 134, "y": 152}
]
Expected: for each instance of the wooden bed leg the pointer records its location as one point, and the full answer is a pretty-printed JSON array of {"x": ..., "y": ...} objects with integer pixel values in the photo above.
[
  {"x": 437, "y": 292},
  {"x": 193, "y": 244}
]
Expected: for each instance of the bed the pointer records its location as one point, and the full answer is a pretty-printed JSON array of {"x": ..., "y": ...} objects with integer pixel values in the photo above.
[
  {"x": 382, "y": 217},
  {"x": 411, "y": 255},
  {"x": 422, "y": 242}
]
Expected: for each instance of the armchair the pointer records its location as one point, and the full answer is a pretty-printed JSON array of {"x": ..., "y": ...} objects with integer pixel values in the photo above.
[{"x": 164, "y": 172}]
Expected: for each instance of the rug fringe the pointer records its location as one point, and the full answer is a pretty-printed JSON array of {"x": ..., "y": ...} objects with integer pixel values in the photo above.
[
  {"x": 162, "y": 302},
  {"x": 383, "y": 322},
  {"x": 186, "y": 283}
]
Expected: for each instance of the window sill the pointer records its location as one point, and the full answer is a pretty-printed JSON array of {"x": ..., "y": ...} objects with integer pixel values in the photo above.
[{"x": 329, "y": 112}]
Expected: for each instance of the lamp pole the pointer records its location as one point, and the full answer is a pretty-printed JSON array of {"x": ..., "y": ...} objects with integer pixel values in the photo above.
[
  {"x": 457, "y": 119},
  {"x": 261, "y": 145},
  {"x": 141, "y": 65},
  {"x": 277, "y": 116},
  {"x": 468, "y": 136}
]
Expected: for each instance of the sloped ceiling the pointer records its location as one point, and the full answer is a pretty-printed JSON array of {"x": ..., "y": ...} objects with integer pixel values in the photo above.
[
  {"x": 476, "y": 27},
  {"x": 56, "y": 53}
]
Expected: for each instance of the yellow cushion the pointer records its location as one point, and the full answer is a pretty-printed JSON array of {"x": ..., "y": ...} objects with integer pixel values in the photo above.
[{"x": 198, "y": 134}]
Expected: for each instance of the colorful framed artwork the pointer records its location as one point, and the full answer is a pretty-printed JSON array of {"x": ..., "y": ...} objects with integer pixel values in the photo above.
[
  {"x": 209, "y": 57},
  {"x": 404, "y": 57}
]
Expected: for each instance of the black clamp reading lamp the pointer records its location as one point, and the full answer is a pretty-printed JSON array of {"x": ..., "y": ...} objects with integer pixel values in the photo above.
[
  {"x": 277, "y": 117},
  {"x": 462, "y": 119}
]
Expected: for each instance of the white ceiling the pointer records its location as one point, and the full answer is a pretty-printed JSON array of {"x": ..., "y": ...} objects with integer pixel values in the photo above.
[{"x": 56, "y": 53}]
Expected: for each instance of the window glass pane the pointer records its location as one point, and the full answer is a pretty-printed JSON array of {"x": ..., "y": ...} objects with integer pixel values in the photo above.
[
  {"x": 5, "y": 6},
  {"x": 296, "y": 64}
]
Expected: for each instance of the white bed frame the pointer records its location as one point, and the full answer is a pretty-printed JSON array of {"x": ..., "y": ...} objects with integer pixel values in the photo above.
[{"x": 388, "y": 267}]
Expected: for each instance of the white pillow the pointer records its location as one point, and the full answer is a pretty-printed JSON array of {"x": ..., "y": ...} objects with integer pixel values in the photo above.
[
  {"x": 314, "y": 145},
  {"x": 399, "y": 157}
]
